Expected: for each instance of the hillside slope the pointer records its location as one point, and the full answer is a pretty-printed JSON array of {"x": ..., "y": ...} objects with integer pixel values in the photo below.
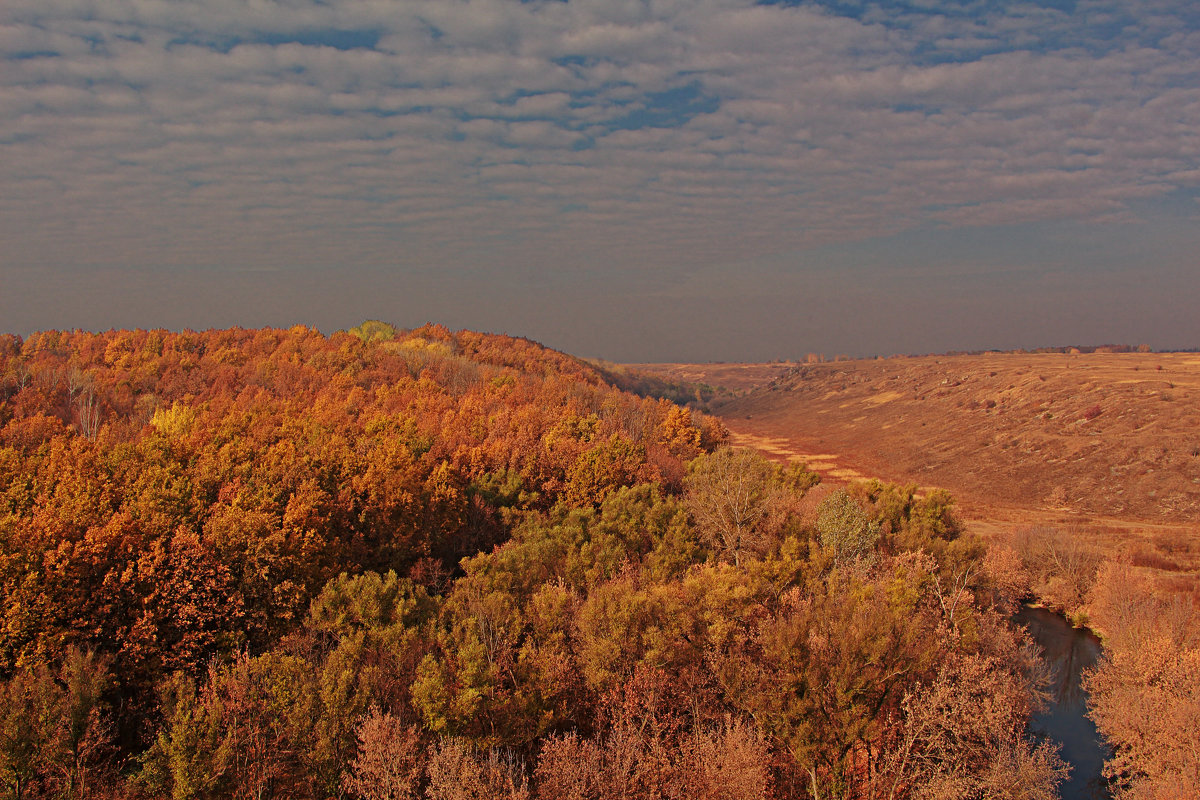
[
  {"x": 1114, "y": 436},
  {"x": 142, "y": 470},
  {"x": 279, "y": 564}
]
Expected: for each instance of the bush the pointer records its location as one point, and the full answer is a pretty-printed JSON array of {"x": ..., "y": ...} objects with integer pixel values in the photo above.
[{"x": 845, "y": 527}]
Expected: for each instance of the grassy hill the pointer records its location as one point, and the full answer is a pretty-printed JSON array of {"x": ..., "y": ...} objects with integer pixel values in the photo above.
[
  {"x": 1102, "y": 447},
  {"x": 1104, "y": 434}
]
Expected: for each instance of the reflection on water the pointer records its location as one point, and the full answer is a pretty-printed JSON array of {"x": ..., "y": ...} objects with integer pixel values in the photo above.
[{"x": 1068, "y": 651}]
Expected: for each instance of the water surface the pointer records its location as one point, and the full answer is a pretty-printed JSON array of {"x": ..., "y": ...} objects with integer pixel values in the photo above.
[{"x": 1068, "y": 651}]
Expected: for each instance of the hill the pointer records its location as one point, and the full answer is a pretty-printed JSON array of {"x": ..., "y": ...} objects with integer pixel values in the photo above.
[
  {"x": 1103, "y": 434},
  {"x": 1104, "y": 445},
  {"x": 439, "y": 564},
  {"x": 173, "y": 497}
]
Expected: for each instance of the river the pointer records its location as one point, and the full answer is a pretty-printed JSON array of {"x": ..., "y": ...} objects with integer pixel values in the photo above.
[{"x": 1069, "y": 651}]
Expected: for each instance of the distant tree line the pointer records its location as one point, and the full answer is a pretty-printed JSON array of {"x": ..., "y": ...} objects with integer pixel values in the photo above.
[
  {"x": 647, "y": 384},
  {"x": 1067, "y": 349}
]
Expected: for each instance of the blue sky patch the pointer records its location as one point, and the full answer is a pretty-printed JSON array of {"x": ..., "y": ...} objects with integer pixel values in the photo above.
[
  {"x": 668, "y": 109},
  {"x": 365, "y": 39}
]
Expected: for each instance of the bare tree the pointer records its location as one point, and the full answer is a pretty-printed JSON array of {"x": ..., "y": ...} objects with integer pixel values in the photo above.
[
  {"x": 963, "y": 736},
  {"x": 458, "y": 772},
  {"x": 88, "y": 409},
  {"x": 730, "y": 496},
  {"x": 389, "y": 762}
]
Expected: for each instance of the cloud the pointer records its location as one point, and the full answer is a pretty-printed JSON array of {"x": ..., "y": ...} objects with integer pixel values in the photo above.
[{"x": 634, "y": 137}]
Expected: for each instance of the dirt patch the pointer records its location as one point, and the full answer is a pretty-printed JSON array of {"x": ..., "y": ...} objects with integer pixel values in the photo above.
[{"x": 826, "y": 464}]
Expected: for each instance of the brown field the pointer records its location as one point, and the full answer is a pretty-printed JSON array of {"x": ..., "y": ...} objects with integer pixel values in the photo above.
[{"x": 1103, "y": 444}]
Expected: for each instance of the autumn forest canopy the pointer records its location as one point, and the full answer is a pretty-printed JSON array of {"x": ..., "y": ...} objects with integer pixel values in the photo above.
[{"x": 400, "y": 564}]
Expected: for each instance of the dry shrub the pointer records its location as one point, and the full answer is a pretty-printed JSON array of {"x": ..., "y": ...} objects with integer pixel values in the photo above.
[
  {"x": 731, "y": 762},
  {"x": 1173, "y": 544},
  {"x": 1146, "y": 703},
  {"x": 1009, "y": 577},
  {"x": 572, "y": 768},
  {"x": 1145, "y": 693},
  {"x": 650, "y": 743},
  {"x": 389, "y": 762},
  {"x": 1187, "y": 585},
  {"x": 963, "y": 736},
  {"x": 726, "y": 762},
  {"x": 1061, "y": 565},
  {"x": 457, "y": 772},
  {"x": 1122, "y": 606},
  {"x": 1143, "y": 555},
  {"x": 807, "y": 507}
]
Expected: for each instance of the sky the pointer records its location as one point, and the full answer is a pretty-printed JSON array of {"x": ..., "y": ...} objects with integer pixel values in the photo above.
[{"x": 637, "y": 180}]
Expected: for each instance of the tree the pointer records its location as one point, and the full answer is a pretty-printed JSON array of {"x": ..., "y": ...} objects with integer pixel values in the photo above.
[
  {"x": 729, "y": 494},
  {"x": 54, "y": 729},
  {"x": 1145, "y": 692}
]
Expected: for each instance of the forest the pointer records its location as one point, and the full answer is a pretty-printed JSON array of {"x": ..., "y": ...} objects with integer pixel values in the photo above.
[{"x": 388, "y": 564}]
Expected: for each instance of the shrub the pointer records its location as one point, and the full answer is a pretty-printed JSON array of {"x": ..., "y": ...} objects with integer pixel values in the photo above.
[{"x": 845, "y": 527}]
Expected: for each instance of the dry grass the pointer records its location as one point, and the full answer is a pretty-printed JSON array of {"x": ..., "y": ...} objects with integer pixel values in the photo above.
[{"x": 1104, "y": 445}]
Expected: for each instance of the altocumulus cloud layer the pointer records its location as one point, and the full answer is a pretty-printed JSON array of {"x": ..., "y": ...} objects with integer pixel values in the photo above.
[{"x": 536, "y": 166}]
